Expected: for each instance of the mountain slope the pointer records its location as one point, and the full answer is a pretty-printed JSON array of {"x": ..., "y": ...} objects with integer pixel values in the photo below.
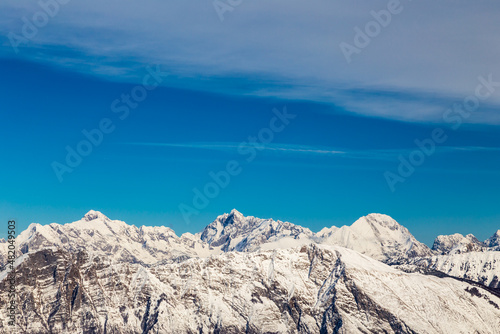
[
  {"x": 378, "y": 236},
  {"x": 457, "y": 243},
  {"x": 481, "y": 267},
  {"x": 494, "y": 241},
  {"x": 310, "y": 289}
]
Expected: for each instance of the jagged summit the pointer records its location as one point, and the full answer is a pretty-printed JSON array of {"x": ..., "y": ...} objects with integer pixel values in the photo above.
[
  {"x": 93, "y": 215},
  {"x": 232, "y": 217},
  {"x": 235, "y": 212},
  {"x": 234, "y": 231},
  {"x": 494, "y": 240}
]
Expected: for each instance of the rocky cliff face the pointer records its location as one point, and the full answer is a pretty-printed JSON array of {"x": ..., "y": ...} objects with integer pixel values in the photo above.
[
  {"x": 310, "y": 289},
  {"x": 494, "y": 241}
]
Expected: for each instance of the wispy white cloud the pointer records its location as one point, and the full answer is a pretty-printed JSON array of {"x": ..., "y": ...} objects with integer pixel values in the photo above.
[
  {"x": 277, "y": 148},
  {"x": 288, "y": 49},
  {"x": 473, "y": 148},
  {"x": 233, "y": 147}
]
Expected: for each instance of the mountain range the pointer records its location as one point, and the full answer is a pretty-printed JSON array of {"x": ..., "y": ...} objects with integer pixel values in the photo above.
[{"x": 251, "y": 275}]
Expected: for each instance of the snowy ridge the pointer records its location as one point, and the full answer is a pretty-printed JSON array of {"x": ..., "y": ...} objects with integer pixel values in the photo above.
[
  {"x": 481, "y": 267},
  {"x": 376, "y": 235},
  {"x": 246, "y": 274},
  {"x": 121, "y": 242},
  {"x": 235, "y": 232},
  {"x": 457, "y": 243}
]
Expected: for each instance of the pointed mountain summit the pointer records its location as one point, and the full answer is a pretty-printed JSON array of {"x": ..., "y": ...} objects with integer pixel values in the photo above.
[
  {"x": 93, "y": 215},
  {"x": 494, "y": 240},
  {"x": 227, "y": 225},
  {"x": 233, "y": 231},
  {"x": 378, "y": 236},
  {"x": 235, "y": 215}
]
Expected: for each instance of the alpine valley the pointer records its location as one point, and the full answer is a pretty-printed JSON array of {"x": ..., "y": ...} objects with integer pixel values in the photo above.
[{"x": 249, "y": 275}]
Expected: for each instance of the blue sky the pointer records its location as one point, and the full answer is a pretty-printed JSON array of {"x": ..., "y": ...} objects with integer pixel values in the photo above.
[{"x": 327, "y": 166}]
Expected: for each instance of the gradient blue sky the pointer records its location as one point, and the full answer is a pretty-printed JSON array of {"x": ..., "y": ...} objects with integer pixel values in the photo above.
[{"x": 225, "y": 78}]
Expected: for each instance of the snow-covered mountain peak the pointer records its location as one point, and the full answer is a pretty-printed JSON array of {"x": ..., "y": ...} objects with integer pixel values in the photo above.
[
  {"x": 226, "y": 225},
  {"x": 233, "y": 218},
  {"x": 93, "y": 215},
  {"x": 29, "y": 232},
  {"x": 121, "y": 242},
  {"x": 377, "y": 219},
  {"x": 325, "y": 232},
  {"x": 379, "y": 227},
  {"x": 457, "y": 243},
  {"x": 236, "y": 213},
  {"x": 442, "y": 240},
  {"x": 234, "y": 231},
  {"x": 494, "y": 240},
  {"x": 379, "y": 236}
]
